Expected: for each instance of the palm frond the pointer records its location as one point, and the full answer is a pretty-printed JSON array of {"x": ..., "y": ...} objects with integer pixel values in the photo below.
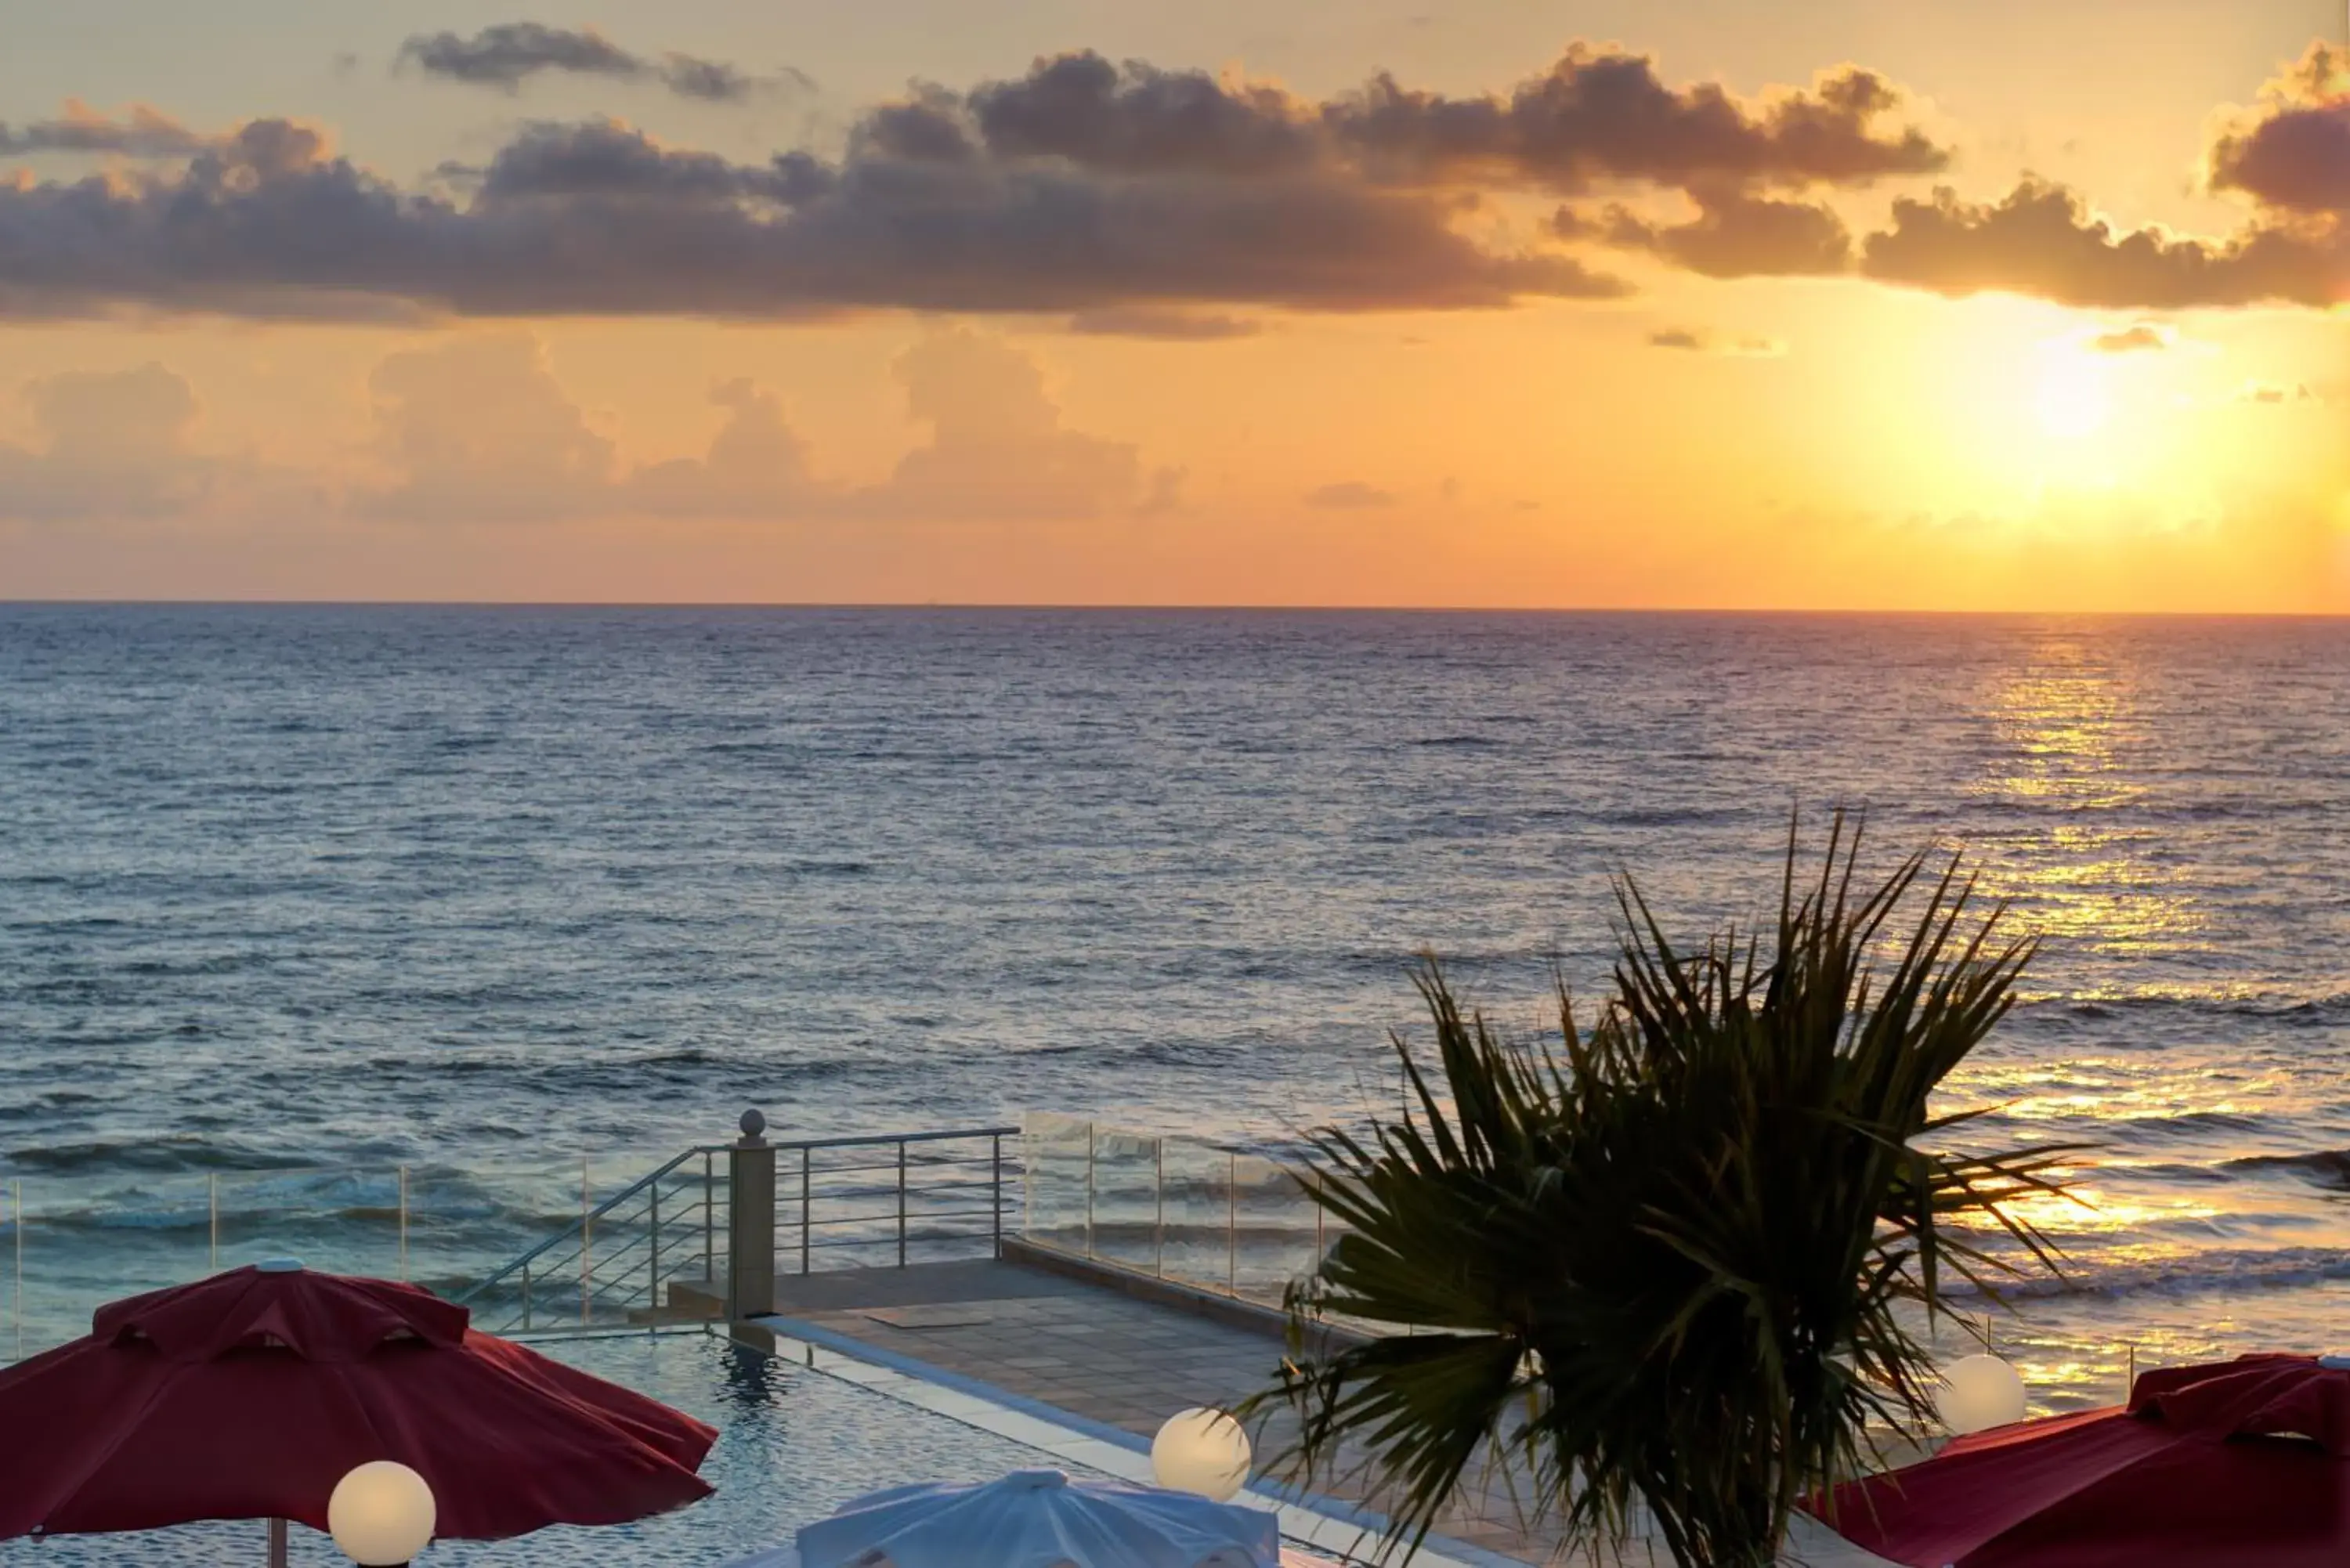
[{"x": 1676, "y": 1264}]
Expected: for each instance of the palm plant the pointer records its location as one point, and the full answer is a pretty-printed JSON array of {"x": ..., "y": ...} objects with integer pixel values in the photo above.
[{"x": 1682, "y": 1259}]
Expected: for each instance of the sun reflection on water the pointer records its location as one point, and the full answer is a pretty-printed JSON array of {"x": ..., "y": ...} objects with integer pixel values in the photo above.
[{"x": 2068, "y": 755}]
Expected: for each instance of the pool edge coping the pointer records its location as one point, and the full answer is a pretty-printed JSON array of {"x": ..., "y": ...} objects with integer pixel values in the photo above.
[{"x": 1359, "y": 1522}]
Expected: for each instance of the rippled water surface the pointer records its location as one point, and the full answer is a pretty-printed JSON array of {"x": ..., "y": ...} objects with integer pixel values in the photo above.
[
  {"x": 793, "y": 1445},
  {"x": 451, "y": 886}
]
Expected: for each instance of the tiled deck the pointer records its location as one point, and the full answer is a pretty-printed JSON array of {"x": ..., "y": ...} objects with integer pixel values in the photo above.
[{"x": 1105, "y": 1357}]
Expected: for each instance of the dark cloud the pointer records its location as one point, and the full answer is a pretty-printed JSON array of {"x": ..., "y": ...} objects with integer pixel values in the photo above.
[
  {"x": 2295, "y": 154},
  {"x": 606, "y": 161},
  {"x": 1127, "y": 197},
  {"x": 597, "y": 219},
  {"x": 2138, "y": 339},
  {"x": 715, "y": 81},
  {"x": 111, "y": 444},
  {"x": 2041, "y": 241},
  {"x": 1734, "y": 235},
  {"x": 1688, "y": 340},
  {"x": 1170, "y": 326},
  {"x": 1349, "y": 495},
  {"x": 510, "y": 53},
  {"x": 1137, "y": 119},
  {"x": 1601, "y": 115},
  {"x": 1596, "y": 115},
  {"x": 142, "y": 133},
  {"x": 1133, "y": 198},
  {"x": 2292, "y": 157}
]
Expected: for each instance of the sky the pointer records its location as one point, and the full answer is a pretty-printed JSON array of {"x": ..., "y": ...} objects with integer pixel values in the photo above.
[{"x": 2030, "y": 305}]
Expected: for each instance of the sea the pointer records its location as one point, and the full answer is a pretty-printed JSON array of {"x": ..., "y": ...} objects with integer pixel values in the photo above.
[{"x": 292, "y": 887}]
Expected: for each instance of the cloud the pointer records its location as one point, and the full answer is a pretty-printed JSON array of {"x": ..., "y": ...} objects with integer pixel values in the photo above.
[
  {"x": 1596, "y": 114},
  {"x": 1170, "y": 326},
  {"x": 112, "y": 444},
  {"x": 510, "y": 53},
  {"x": 1117, "y": 193},
  {"x": 1136, "y": 119},
  {"x": 1133, "y": 200},
  {"x": 2294, "y": 154},
  {"x": 998, "y": 448},
  {"x": 2140, "y": 339},
  {"x": 1689, "y": 339},
  {"x": 1734, "y": 235},
  {"x": 1349, "y": 495},
  {"x": 144, "y": 132},
  {"x": 1606, "y": 115},
  {"x": 597, "y": 219},
  {"x": 606, "y": 161},
  {"x": 756, "y": 465},
  {"x": 480, "y": 429},
  {"x": 2291, "y": 158},
  {"x": 2041, "y": 240}
]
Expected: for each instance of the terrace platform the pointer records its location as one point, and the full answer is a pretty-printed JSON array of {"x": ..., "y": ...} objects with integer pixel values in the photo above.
[{"x": 1116, "y": 1351}]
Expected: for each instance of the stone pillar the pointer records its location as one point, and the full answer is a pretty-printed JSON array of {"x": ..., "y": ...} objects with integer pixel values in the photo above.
[{"x": 751, "y": 1221}]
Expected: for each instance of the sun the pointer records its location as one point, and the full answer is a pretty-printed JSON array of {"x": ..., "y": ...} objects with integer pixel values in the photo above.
[{"x": 2072, "y": 400}]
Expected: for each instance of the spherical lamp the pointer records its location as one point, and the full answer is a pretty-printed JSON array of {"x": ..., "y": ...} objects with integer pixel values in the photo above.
[
  {"x": 1201, "y": 1451},
  {"x": 1978, "y": 1393},
  {"x": 381, "y": 1514}
]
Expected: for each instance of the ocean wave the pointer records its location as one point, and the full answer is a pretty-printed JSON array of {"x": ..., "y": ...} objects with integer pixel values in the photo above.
[
  {"x": 148, "y": 1156},
  {"x": 2280, "y": 1006},
  {"x": 2190, "y": 1273},
  {"x": 2165, "y": 1126},
  {"x": 2327, "y": 1167}
]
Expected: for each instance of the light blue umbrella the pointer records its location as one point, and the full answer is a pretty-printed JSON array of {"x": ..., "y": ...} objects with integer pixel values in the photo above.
[{"x": 1041, "y": 1519}]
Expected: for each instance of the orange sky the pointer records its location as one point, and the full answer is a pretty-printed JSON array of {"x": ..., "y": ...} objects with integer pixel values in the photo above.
[{"x": 1576, "y": 305}]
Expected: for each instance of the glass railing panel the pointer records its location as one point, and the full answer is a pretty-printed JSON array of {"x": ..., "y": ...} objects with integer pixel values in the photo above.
[
  {"x": 1196, "y": 1234},
  {"x": 337, "y": 1222},
  {"x": 1276, "y": 1235},
  {"x": 1127, "y": 1184},
  {"x": 1055, "y": 1152},
  {"x": 82, "y": 1242}
]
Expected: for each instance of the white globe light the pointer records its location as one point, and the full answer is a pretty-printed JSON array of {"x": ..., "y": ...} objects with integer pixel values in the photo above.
[
  {"x": 381, "y": 1514},
  {"x": 1978, "y": 1393},
  {"x": 1204, "y": 1453}
]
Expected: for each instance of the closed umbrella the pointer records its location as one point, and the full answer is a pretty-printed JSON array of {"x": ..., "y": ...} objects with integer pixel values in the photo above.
[
  {"x": 250, "y": 1394},
  {"x": 2245, "y": 1463},
  {"x": 1040, "y": 1519}
]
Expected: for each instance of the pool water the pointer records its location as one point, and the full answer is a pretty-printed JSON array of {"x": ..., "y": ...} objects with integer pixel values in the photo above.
[{"x": 793, "y": 1444}]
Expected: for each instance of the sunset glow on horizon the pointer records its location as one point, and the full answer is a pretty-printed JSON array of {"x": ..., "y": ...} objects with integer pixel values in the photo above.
[{"x": 2009, "y": 307}]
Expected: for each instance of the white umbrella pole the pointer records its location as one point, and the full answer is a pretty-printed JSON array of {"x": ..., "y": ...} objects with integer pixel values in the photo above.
[{"x": 277, "y": 1543}]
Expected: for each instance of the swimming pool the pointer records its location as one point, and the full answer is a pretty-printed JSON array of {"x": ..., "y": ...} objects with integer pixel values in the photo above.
[{"x": 794, "y": 1444}]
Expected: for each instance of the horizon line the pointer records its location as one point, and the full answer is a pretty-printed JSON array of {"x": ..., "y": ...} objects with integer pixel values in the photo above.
[{"x": 1111, "y": 607}]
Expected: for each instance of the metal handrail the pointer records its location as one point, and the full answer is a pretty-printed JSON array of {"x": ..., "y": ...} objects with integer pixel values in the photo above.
[
  {"x": 594, "y": 1281},
  {"x": 585, "y": 1219},
  {"x": 878, "y": 1138},
  {"x": 926, "y": 1191}
]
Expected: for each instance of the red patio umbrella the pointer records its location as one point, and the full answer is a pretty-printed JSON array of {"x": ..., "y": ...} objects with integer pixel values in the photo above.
[
  {"x": 249, "y": 1394},
  {"x": 2245, "y": 1463}
]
